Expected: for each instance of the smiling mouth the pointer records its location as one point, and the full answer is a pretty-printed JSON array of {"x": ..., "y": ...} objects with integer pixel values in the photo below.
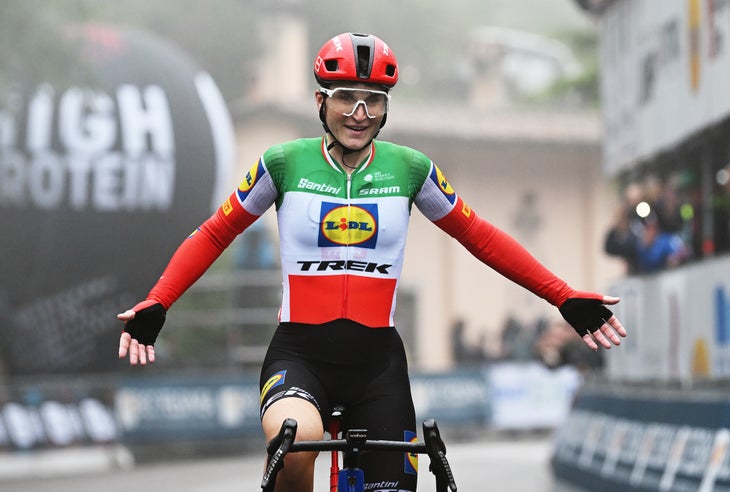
[{"x": 358, "y": 129}]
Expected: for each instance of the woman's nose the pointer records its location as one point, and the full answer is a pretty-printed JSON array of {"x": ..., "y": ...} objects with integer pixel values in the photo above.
[{"x": 360, "y": 111}]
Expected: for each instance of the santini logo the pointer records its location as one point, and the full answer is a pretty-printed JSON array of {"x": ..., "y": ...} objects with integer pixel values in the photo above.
[{"x": 304, "y": 183}]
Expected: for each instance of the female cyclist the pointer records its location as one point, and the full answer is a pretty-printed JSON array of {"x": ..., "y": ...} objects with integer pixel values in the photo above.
[{"x": 343, "y": 202}]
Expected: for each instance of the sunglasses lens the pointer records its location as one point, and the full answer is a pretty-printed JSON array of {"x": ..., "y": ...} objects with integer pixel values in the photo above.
[{"x": 347, "y": 100}]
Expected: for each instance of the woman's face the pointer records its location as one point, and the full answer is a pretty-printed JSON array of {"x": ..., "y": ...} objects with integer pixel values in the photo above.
[{"x": 357, "y": 129}]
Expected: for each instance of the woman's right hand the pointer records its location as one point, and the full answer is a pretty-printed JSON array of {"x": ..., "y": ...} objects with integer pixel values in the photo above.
[{"x": 142, "y": 324}]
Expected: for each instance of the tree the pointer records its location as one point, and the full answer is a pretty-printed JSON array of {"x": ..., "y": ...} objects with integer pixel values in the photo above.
[
  {"x": 32, "y": 47},
  {"x": 220, "y": 36}
]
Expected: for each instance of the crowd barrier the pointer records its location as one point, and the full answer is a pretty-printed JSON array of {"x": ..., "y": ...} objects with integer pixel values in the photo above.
[
  {"x": 503, "y": 396},
  {"x": 645, "y": 438}
]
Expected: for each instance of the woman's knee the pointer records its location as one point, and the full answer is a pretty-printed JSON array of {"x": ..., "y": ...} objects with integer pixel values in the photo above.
[
  {"x": 309, "y": 420},
  {"x": 298, "y": 471}
]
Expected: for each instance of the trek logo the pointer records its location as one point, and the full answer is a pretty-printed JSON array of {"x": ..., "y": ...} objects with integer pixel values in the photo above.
[
  {"x": 348, "y": 225},
  {"x": 438, "y": 177},
  {"x": 339, "y": 265}
]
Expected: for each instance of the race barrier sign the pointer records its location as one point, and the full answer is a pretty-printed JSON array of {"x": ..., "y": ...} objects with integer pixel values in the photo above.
[
  {"x": 149, "y": 410},
  {"x": 52, "y": 423},
  {"x": 672, "y": 441}
]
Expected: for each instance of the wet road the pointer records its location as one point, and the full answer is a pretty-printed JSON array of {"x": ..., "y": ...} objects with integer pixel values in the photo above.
[{"x": 513, "y": 465}]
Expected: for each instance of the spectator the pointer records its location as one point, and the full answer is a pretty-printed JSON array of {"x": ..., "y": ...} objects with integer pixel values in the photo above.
[
  {"x": 622, "y": 239},
  {"x": 465, "y": 353},
  {"x": 555, "y": 348},
  {"x": 658, "y": 249},
  {"x": 668, "y": 207}
]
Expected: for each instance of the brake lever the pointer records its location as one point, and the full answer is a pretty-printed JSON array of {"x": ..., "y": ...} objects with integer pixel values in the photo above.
[
  {"x": 276, "y": 450},
  {"x": 436, "y": 450}
]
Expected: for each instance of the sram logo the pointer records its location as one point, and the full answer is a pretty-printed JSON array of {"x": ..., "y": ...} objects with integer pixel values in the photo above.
[{"x": 348, "y": 225}]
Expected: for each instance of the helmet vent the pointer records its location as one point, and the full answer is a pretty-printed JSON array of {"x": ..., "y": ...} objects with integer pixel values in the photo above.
[
  {"x": 390, "y": 70},
  {"x": 364, "y": 61},
  {"x": 331, "y": 65}
]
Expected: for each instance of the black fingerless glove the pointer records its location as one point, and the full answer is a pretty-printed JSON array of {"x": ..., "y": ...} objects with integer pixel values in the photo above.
[
  {"x": 585, "y": 315},
  {"x": 146, "y": 324}
]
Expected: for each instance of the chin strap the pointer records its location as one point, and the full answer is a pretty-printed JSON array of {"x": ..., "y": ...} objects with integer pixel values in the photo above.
[{"x": 345, "y": 150}]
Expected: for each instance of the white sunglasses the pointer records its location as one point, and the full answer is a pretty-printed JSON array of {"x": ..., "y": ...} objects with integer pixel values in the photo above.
[{"x": 347, "y": 99}]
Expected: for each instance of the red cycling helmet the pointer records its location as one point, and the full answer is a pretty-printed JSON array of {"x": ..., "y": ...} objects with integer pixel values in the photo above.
[{"x": 354, "y": 57}]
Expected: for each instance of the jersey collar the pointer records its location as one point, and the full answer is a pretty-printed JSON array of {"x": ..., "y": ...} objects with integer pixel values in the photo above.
[{"x": 332, "y": 162}]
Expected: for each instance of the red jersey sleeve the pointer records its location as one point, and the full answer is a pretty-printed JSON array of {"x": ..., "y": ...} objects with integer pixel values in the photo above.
[
  {"x": 503, "y": 253},
  {"x": 198, "y": 252}
]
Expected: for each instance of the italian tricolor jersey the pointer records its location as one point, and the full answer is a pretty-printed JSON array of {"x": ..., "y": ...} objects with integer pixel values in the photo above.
[{"x": 342, "y": 237}]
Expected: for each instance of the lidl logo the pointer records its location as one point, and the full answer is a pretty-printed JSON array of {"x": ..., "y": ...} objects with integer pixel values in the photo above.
[
  {"x": 438, "y": 177},
  {"x": 250, "y": 179},
  {"x": 275, "y": 380},
  {"x": 411, "y": 459},
  {"x": 348, "y": 225}
]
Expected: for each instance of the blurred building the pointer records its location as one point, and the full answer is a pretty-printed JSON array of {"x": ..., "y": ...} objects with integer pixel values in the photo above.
[{"x": 507, "y": 64}]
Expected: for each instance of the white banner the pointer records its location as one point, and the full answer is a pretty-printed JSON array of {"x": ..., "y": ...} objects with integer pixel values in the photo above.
[
  {"x": 665, "y": 67},
  {"x": 678, "y": 323},
  {"x": 529, "y": 395}
]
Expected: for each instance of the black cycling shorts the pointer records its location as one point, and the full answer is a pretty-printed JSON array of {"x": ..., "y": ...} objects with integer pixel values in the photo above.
[{"x": 362, "y": 368}]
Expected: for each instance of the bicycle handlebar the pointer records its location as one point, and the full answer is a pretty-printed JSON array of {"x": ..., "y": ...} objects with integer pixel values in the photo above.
[
  {"x": 276, "y": 450},
  {"x": 356, "y": 441},
  {"x": 436, "y": 450}
]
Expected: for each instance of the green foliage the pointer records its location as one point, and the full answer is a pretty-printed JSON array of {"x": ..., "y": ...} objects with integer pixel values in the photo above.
[
  {"x": 228, "y": 38},
  {"x": 582, "y": 89},
  {"x": 32, "y": 44},
  {"x": 222, "y": 35}
]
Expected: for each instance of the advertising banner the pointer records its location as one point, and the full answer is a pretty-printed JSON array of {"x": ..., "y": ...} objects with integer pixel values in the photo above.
[
  {"x": 158, "y": 410},
  {"x": 653, "y": 441},
  {"x": 678, "y": 323},
  {"x": 100, "y": 179},
  {"x": 529, "y": 395},
  {"x": 664, "y": 71}
]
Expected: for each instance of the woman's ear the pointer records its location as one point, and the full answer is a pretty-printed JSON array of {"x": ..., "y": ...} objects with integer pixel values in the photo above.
[{"x": 319, "y": 99}]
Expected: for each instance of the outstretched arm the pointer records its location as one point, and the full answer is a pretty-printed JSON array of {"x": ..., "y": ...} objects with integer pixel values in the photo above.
[
  {"x": 143, "y": 322},
  {"x": 584, "y": 311},
  {"x": 256, "y": 193}
]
